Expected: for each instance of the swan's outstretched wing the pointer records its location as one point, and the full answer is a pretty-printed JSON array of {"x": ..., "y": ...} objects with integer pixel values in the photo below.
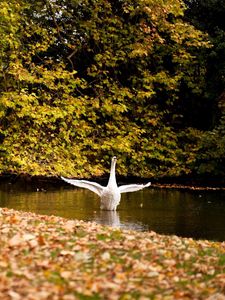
[
  {"x": 92, "y": 186},
  {"x": 133, "y": 187}
]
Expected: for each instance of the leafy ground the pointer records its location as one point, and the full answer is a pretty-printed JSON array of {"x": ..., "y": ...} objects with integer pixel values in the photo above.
[{"x": 48, "y": 257}]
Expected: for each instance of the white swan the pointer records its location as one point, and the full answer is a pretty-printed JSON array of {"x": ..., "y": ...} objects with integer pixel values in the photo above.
[{"x": 111, "y": 194}]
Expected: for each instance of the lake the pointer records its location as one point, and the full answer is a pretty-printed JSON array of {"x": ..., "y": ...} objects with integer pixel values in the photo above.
[{"x": 197, "y": 214}]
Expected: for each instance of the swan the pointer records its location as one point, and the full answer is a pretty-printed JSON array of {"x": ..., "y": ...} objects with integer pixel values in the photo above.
[{"x": 111, "y": 194}]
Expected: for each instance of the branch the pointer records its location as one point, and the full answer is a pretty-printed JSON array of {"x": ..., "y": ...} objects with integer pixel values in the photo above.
[{"x": 48, "y": 4}]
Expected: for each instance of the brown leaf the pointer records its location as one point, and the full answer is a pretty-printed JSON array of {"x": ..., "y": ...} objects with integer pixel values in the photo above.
[{"x": 16, "y": 240}]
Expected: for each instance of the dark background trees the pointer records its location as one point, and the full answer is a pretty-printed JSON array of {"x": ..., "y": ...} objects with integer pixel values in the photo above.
[{"x": 208, "y": 16}]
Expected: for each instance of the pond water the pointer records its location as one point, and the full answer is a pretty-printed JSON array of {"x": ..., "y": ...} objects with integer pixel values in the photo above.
[{"x": 197, "y": 214}]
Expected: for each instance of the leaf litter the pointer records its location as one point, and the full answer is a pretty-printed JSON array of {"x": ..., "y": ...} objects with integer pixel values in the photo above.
[{"x": 48, "y": 257}]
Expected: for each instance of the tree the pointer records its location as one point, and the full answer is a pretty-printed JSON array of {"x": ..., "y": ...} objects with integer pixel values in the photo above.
[
  {"x": 91, "y": 79},
  {"x": 208, "y": 16}
]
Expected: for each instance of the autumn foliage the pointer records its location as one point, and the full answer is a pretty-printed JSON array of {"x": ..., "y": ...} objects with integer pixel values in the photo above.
[
  {"x": 81, "y": 81},
  {"x": 47, "y": 257}
]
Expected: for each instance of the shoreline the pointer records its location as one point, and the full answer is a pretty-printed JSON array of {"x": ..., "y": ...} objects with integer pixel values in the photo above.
[
  {"x": 48, "y": 257},
  {"x": 168, "y": 183}
]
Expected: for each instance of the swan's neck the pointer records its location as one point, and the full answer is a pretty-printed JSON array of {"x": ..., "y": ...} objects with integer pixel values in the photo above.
[{"x": 112, "y": 176}]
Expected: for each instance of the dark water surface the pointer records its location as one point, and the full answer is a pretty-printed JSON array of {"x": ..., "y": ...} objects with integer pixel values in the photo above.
[{"x": 197, "y": 214}]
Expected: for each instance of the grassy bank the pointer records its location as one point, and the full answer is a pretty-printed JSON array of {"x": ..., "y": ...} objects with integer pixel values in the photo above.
[{"x": 48, "y": 257}]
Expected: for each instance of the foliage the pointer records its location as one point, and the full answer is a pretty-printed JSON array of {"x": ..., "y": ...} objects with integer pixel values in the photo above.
[
  {"x": 85, "y": 80},
  {"x": 47, "y": 257},
  {"x": 208, "y": 15},
  {"x": 211, "y": 154}
]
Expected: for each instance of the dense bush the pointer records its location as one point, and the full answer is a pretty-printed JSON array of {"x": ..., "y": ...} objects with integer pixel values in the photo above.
[{"x": 84, "y": 80}]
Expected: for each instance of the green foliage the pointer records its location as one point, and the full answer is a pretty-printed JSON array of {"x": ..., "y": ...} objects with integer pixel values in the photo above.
[
  {"x": 85, "y": 80},
  {"x": 208, "y": 15},
  {"x": 211, "y": 154}
]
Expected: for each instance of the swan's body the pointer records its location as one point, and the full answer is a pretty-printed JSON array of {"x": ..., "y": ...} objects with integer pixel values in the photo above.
[{"x": 111, "y": 194}]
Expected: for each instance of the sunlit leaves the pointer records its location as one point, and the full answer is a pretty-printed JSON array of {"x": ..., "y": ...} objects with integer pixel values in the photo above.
[{"x": 85, "y": 80}]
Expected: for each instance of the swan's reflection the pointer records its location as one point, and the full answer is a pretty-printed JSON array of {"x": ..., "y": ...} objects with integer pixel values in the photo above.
[
  {"x": 109, "y": 217},
  {"x": 112, "y": 218}
]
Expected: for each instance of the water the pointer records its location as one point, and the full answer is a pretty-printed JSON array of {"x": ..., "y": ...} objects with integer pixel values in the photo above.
[{"x": 197, "y": 214}]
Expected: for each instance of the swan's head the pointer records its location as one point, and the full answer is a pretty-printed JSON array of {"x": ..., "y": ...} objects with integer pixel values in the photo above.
[{"x": 114, "y": 158}]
